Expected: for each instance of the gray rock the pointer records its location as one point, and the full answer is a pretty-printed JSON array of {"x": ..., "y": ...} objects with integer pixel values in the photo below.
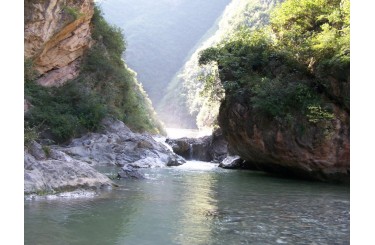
[
  {"x": 129, "y": 172},
  {"x": 117, "y": 145},
  {"x": 36, "y": 150},
  {"x": 176, "y": 161},
  {"x": 191, "y": 148},
  {"x": 111, "y": 125},
  {"x": 208, "y": 148},
  {"x": 148, "y": 162},
  {"x": 66, "y": 174},
  {"x": 181, "y": 146},
  {"x": 219, "y": 146},
  {"x": 201, "y": 149},
  {"x": 232, "y": 162},
  {"x": 68, "y": 167},
  {"x": 29, "y": 161}
]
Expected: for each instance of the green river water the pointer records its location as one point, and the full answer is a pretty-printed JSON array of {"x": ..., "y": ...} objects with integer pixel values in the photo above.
[{"x": 196, "y": 203}]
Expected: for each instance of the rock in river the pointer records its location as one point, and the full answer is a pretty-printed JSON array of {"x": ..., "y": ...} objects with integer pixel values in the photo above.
[
  {"x": 232, "y": 162},
  {"x": 59, "y": 172}
]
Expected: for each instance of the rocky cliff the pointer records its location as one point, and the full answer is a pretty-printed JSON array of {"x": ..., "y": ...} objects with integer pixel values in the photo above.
[
  {"x": 286, "y": 106},
  {"x": 57, "y": 32},
  {"x": 266, "y": 145}
]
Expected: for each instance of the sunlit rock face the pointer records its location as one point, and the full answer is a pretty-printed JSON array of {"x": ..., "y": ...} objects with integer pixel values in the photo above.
[
  {"x": 57, "y": 32},
  {"x": 117, "y": 145},
  {"x": 267, "y": 146}
]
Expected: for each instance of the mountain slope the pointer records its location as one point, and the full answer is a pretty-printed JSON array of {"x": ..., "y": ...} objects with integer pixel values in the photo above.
[
  {"x": 194, "y": 107},
  {"x": 160, "y": 34}
]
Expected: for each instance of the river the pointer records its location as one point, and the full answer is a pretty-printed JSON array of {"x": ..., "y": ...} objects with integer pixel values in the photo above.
[{"x": 196, "y": 203}]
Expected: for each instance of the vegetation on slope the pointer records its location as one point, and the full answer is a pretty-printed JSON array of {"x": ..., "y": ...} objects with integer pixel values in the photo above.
[
  {"x": 199, "y": 101},
  {"x": 105, "y": 87},
  {"x": 293, "y": 70}
]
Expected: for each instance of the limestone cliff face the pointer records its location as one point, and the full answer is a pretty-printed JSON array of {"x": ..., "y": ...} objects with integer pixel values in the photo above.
[
  {"x": 57, "y": 32},
  {"x": 307, "y": 153}
]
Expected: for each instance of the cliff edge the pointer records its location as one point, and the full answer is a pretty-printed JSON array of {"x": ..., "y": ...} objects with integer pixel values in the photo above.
[{"x": 57, "y": 33}]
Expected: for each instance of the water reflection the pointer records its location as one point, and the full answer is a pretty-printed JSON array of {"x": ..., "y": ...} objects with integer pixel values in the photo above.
[{"x": 196, "y": 204}]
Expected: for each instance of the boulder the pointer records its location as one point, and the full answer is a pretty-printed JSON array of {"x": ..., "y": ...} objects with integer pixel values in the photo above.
[
  {"x": 60, "y": 173},
  {"x": 129, "y": 172},
  {"x": 201, "y": 149},
  {"x": 176, "y": 160},
  {"x": 232, "y": 162},
  {"x": 181, "y": 147},
  {"x": 218, "y": 149}
]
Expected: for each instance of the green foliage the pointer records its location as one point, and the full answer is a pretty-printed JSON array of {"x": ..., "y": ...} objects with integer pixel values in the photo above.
[
  {"x": 47, "y": 150},
  {"x": 208, "y": 55},
  {"x": 199, "y": 87},
  {"x": 110, "y": 36},
  {"x": 282, "y": 99},
  {"x": 317, "y": 34},
  {"x": 105, "y": 87},
  {"x": 212, "y": 89},
  {"x": 63, "y": 112},
  {"x": 106, "y": 74},
  {"x": 315, "y": 30},
  {"x": 317, "y": 114},
  {"x": 72, "y": 11},
  {"x": 30, "y": 74},
  {"x": 30, "y": 134},
  {"x": 286, "y": 69}
]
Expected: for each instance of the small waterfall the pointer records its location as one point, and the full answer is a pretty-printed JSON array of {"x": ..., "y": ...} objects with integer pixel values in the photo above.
[
  {"x": 190, "y": 151},
  {"x": 162, "y": 139}
]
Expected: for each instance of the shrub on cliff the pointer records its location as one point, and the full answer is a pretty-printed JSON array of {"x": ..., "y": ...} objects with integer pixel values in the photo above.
[
  {"x": 63, "y": 112},
  {"x": 30, "y": 74}
]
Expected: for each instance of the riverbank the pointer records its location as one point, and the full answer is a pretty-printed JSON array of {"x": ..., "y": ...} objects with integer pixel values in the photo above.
[
  {"x": 56, "y": 168},
  {"x": 51, "y": 169}
]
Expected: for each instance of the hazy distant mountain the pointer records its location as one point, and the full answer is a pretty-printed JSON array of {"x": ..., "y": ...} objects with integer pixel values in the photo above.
[{"x": 160, "y": 35}]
